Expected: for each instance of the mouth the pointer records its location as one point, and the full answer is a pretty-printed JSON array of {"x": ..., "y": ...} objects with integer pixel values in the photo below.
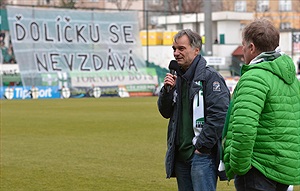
[{"x": 178, "y": 59}]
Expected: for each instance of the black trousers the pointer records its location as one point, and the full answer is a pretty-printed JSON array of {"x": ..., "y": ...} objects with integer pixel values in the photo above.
[{"x": 254, "y": 180}]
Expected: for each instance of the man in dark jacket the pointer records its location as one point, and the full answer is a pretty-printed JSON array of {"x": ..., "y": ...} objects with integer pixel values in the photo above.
[{"x": 196, "y": 101}]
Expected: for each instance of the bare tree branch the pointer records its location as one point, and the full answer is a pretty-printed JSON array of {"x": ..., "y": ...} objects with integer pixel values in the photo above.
[{"x": 120, "y": 6}]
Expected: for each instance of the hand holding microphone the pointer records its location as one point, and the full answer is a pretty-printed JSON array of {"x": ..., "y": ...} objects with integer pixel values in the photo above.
[{"x": 169, "y": 80}]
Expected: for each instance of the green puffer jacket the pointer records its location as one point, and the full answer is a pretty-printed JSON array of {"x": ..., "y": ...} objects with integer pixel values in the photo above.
[{"x": 263, "y": 120}]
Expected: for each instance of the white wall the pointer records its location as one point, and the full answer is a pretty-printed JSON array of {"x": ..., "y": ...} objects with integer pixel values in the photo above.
[
  {"x": 188, "y": 26},
  {"x": 162, "y": 55},
  {"x": 231, "y": 30},
  {"x": 285, "y": 42}
]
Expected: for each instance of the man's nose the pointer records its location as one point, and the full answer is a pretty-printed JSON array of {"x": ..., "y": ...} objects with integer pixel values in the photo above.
[{"x": 176, "y": 52}]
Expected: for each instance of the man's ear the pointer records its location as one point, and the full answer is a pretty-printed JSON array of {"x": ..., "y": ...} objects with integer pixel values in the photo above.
[
  {"x": 197, "y": 51},
  {"x": 252, "y": 48}
]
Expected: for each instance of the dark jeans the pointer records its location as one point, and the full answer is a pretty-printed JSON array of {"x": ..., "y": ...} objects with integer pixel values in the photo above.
[
  {"x": 254, "y": 180},
  {"x": 197, "y": 174}
]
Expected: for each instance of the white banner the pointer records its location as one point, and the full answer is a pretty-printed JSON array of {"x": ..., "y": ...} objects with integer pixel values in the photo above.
[
  {"x": 212, "y": 60},
  {"x": 50, "y": 41},
  {"x": 9, "y": 68}
]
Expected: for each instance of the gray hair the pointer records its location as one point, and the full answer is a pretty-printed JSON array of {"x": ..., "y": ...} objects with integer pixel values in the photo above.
[{"x": 194, "y": 38}]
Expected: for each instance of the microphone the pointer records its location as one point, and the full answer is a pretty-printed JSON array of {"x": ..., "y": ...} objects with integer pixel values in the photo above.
[{"x": 173, "y": 67}]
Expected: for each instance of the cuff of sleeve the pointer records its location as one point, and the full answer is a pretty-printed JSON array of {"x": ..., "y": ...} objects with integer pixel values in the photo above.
[
  {"x": 199, "y": 147},
  {"x": 204, "y": 150}
]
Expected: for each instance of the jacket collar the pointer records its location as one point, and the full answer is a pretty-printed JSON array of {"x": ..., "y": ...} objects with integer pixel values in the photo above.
[{"x": 196, "y": 71}]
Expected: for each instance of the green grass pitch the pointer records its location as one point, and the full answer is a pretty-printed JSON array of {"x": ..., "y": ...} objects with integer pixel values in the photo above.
[{"x": 87, "y": 144}]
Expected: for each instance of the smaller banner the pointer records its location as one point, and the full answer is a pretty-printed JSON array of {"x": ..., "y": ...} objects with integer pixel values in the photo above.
[{"x": 28, "y": 92}]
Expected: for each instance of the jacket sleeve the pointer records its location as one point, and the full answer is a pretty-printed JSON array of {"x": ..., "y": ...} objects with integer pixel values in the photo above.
[
  {"x": 249, "y": 100},
  {"x": 165, "y": 102},
  {"x": 217, "y": 97}
]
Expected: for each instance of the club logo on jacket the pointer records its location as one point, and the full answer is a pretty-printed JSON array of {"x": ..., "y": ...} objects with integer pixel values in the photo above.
[{"x": 216, "y": 86}]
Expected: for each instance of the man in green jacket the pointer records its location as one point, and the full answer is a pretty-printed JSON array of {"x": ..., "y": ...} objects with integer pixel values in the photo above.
[{"x": 261, "y": 136}]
